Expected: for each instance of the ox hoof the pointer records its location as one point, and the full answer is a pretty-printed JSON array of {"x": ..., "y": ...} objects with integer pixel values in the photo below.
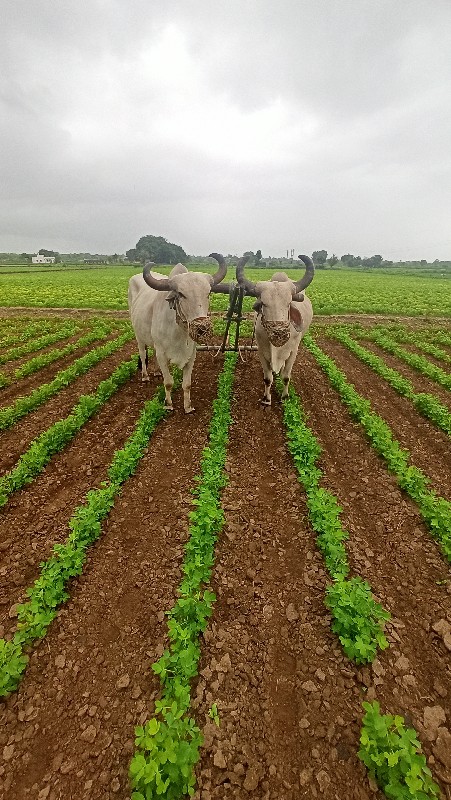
[
  {"x": 265, "y": 402},
  {"x": 157, "y": 374},
  {"x": 168, "y": 408},
  {"x": 189, "y": 410},
  {"x": 145, "y": 380}
]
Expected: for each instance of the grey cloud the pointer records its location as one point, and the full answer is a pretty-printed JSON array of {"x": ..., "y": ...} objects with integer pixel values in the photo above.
[{"x": 256, "y": 124}]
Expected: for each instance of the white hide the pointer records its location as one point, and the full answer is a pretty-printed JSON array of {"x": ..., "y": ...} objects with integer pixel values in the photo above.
[
  {"x": 277, "y": 305},
  {"x": 154, "y": 323}
]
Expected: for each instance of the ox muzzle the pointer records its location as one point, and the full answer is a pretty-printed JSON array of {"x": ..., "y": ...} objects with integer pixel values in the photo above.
[{"x": 277, "y": 331}]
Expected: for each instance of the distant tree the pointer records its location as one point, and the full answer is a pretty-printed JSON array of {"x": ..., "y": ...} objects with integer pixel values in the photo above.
[
  {"x": 350, "y": 261},
  {"x": 157, "y": 249},
  {"x": 319, "y": 258},
  {"x": 258, "y": 257},
  {"x": 372, "y": 261},
  {"x": 250, "y": 254},
  {"x": 332, "y": 260}
]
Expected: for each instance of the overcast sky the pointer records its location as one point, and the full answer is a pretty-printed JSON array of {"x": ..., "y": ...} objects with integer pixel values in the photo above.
[{"x": 246, "y": 124}]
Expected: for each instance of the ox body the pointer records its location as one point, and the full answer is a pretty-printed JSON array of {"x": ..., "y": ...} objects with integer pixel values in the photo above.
[
  {"x": 283, "y": 317},
  {"x": 170, "y": 314}
]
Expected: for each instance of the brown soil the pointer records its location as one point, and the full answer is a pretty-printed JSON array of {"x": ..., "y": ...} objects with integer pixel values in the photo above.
[
  {"x": 58, "y": 490},
  {"x": 23, "y": 386},
  {"x": 420, "y": 382},
  {"x": 89, "y": 682},
  {"x": 289, "y": 701},
  {"x": 429, "y": 447},
  {"x": 15, "y": 440}
]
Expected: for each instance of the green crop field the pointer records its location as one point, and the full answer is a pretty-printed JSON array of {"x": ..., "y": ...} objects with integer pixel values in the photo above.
[{"x": 332, "y": 292}]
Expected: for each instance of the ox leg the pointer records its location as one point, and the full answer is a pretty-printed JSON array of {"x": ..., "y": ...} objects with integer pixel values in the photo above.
[
  {"x": 286, "y": 373},
  {"x": 186, "y": 384},
  {"x": 143, "y": 361},
  {"x": 167, "y": 378},
  {"x": 268, "y": 379}
]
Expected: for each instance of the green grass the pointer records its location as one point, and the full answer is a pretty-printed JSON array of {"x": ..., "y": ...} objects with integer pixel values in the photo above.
[{"x": 340, "y": 292}]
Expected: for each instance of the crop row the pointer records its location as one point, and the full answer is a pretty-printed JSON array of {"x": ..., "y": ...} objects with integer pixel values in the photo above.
[
  {"x": 416, "y": 339},
  {"x": 418, "y": 363},
  {"x": 10, "y": 414},
  {"x": 435, "y": 510},
  {"x": 168, "y": 744},
  {"x": 357, "y": 619},
  {"x": 55, "y": 438},
  {"x": 10, "y": 335},
  {"x": 69, "y": 329},
  {"x": 426, "y": 404},
  {"x": 50, "y": 589},
  {"x": 98, "y": 332}
]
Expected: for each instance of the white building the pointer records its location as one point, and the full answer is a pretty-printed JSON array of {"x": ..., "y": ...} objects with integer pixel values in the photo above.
[{"x": 38, "y": 259}]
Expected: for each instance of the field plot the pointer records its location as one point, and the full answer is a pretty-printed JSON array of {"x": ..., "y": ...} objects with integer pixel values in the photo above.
[
  {"x": 207, "y": 600},
  {"x": 340, "y": 292}
]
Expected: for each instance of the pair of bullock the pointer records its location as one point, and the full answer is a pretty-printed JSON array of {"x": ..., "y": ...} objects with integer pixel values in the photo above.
[{"x": 171, "y": 315}]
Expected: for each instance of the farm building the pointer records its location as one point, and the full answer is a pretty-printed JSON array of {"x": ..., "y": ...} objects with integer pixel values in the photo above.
[{"x": 40, "y": 259}]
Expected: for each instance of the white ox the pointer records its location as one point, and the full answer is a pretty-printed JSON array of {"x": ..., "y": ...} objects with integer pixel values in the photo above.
[
  {"x": 284, "y": 315},
  {"x": 170, "y": 314}
]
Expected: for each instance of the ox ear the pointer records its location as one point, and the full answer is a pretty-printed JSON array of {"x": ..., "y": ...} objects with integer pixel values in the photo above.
[
  {"x": 258, "y": 305},
  {"x": 295, "y": 317}
]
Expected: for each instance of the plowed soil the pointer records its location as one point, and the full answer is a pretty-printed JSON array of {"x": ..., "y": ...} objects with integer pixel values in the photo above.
[{"x": 289, "y": 700}]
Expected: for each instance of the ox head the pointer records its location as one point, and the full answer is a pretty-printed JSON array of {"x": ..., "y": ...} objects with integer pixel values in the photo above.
[
  {"x": 276, "y": 298},
  {"x": 187, "y": 294}
]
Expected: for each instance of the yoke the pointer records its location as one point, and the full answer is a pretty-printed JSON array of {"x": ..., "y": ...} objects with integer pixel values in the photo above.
[{"x": 234, "y": 314}]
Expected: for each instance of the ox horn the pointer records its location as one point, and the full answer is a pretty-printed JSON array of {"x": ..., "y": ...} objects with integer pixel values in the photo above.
[
  {"x": 217, "y": 287},
  {"x": 221, "y": 273},
  {"x": 244, "y": 282},
  {"x": 162, "y": 284},
  {"x": 307, "y": 277}
]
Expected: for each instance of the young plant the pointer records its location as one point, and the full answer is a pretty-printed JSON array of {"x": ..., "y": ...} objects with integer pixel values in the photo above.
[
  {"x": 392, "y": 754},
  {"x": 168, "y": 744},
  {"x": 357, "y": 619},
  {"x": 23, "y": 405},
  {"x": 49, "y": 591},
  {"x": 435, "y": 510}
]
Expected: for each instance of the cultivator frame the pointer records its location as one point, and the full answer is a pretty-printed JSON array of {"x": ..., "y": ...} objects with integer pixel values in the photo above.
[{"x": 234, "y": 314}]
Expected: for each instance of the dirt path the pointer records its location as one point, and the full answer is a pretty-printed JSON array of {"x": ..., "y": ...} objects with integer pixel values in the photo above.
[
  {"x": 16, "y": 440},
  {"x": 288, "y": 700},
  {"x": 429, "y": 447},
  {"x": 89, "y": 682}
]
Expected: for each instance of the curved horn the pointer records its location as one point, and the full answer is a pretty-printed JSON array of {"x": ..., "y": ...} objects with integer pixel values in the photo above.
[
  {"x": 221, "y": 273},
  {"x": 162, "y": 284},
  {"x": 307, "y": 277},
  {"x": 241, "y": 278}
]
